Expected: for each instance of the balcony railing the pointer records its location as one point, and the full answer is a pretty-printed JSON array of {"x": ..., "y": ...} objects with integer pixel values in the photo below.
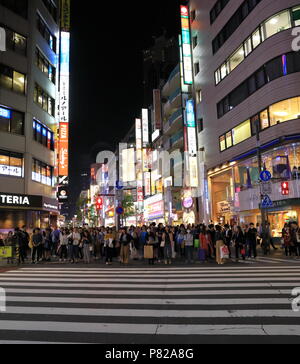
[
  {"x": 176, "y": 138},
  {"x": 175, "y": 116}
]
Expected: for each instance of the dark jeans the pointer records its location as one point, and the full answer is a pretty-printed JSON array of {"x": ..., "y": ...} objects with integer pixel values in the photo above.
[
  {"x": 109, "y": 253},
  {"x": 297, "y": 249},
  {"x": 189, "y": 250},
  {"x": 63, "y": 252},
  {"x": 37, "y": 252},
  {"x": 252, "y": 249}
]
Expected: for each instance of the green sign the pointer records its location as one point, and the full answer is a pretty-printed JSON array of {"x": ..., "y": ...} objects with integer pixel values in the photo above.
[{"x": 6, "y": 252}]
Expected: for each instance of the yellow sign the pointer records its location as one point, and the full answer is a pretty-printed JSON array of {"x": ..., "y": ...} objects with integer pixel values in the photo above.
[
  {"x": 65, "y": 22},
  {"x": 6, "y": 252}
]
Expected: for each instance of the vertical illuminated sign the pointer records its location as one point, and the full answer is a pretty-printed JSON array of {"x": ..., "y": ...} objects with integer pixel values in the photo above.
[
  {"x": 186, "y": 46},
  {"x": 64, "y": 90},
  {"x": 145, "y": 122},
  {"x": 139, "y": 160},
  {"x": 190, "y": 124},
  {"x": 157, "y": 109}
]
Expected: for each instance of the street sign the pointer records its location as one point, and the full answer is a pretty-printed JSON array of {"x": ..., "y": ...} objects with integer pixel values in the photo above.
[
  {"x": 120, "y": 210},
  {"x": 265, "y": 176},
  {"x": 266, "y": 188},
  {"x": 267, "y": 202},
  {"x": 119, "y": 185}
]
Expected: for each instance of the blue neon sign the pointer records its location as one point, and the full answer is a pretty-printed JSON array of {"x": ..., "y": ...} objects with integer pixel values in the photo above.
[
  {"x": 191, "y": 121},
  {"x": 5, "y": 113}
]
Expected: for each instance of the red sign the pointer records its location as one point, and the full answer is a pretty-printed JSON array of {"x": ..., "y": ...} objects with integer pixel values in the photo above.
[
  {"x": 184, "y": 11},
  {"x": 63, "y": 165},
  {"x": 285, "y": 188}
]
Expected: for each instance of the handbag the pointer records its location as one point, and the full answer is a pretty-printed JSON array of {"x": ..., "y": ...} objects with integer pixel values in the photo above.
[
  {"x": 197, "y": 244},
  {"x": 225, "y": 252},
  {"x": 163, "y": 244},
  {"x": 148, "y": 252}
]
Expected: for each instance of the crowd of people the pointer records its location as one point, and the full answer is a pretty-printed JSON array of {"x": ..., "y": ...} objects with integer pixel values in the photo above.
[{"x": 153, "y": 243}]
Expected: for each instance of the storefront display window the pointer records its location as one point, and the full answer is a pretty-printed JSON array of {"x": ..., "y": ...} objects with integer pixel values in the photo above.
[{"x": 264, "y": 119}]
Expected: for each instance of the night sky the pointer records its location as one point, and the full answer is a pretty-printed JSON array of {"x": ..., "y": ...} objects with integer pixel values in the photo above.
[{"x": 106, "y": 69}]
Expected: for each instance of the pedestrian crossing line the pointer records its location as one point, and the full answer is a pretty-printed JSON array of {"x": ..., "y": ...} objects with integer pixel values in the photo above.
[
  {"x": 150, "y": 329},
  {"x": 150, "y": 277},
  {"x": 164, "y": 287},
  {"x": 294, "y": 261},
  {"x": 149, "y": 301},
  {"x": 134, "y": 313},
  {"x": 169, "y": 281},
  {"x": 13, "y": 291}
]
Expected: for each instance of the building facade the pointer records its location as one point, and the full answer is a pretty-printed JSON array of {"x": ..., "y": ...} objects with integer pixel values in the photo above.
[
  {"x": 29, "y": 78},
  {"x": 248, "y": 107}
]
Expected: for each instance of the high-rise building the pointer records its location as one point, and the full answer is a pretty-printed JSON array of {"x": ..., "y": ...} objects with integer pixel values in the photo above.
[
  {"x": 248, "y": 96},
  {"x": 29, "y": 79}
]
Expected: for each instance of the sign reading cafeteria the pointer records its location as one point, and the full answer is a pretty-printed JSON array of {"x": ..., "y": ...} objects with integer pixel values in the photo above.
[{"x": 27, "y": 201}]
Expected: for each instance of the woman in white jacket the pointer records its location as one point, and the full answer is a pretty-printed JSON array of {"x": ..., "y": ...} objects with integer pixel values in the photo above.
[{"x": 74, "y": 241}]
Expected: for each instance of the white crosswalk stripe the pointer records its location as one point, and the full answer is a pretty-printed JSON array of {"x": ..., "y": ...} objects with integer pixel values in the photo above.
[{"x": 142, "y": 305}]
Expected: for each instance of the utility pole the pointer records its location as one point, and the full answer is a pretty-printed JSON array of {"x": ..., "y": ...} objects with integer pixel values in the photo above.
[{"x": 263, "y": 211}]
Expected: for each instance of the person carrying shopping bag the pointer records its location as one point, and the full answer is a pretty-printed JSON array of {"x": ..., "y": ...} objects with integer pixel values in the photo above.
[{"x": 220, "y": 243}]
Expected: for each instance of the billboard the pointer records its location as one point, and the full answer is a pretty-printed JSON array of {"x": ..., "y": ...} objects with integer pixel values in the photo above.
[
  {"x": 63, "y": 154},
  {"x": 65, "y": 21},
  {"x": 128, "y": 165},
  {"x": 186, "y": 45}
]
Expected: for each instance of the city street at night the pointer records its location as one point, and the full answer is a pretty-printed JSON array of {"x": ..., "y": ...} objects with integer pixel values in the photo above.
[{"x": 150, "y": 175}]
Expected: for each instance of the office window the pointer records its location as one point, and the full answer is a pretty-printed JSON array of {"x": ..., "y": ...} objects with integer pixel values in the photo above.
[
  {"x": 284, "y": 111},
  {"x": 51, "y": 8},
  {"x": 20, "y": 44},
  {"x": 296, "y": 15},
  {"x": 46, "y": 34},
  {"x": 195, "y": 41},
  {"x": 260, "y": 78},
  {"x": 42, "y": 173},
  {"x": 193, "y": 15},
  {"x": 248, "y": 46},
  {"x": 264, "y": 119},
  {"x": 19, "y": 82},
  {"x": 200, "y": 125},
  {"x": 6, "y": 77},
  {"x": 241, "y": 132},
  {"x": 256, "y": 38},
  {"x": 43, "y": 135},
  {"x": 218, "y": 77},
  {"x": 274, "y": 69},
  {"x": 44, "y": 100},
  {"x": 11, "y": 164},
  {"x": 292, "y": 62},
  {"x": 11, "y": 121},
  {"x": 224, "y": 71},
  {"x": 236, "y": 58},
  {"x": 4, "y": 124},
  {"x": 17, "y": 123},
  {"x": 19, "y": 7},
  {"x": 277, "y": 24},
  {"x": 197, "y": 68},
  {"x": 199, "y": 96},
  {"x": 229, "y": 139},
  {"x": 238, "y": 95},
  {"x": 222, "y": 143}
]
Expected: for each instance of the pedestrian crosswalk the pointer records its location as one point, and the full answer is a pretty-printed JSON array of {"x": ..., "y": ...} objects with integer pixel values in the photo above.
[{"x": 175, "y": 305}]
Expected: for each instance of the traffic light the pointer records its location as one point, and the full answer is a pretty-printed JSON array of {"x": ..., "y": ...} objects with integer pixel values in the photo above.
[
  {"x": 99, "y": 203},
  {"x": 285, "y": 190}
]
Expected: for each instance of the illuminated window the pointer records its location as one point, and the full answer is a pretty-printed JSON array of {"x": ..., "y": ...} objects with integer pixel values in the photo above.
[
  {"x": 248, "y": 46},
  {"x": 256, "y": 38},
  {"x": 224, "y": 71},
  {"x": 284, "y": 111},
  {"x": 11, "y": 164},
  {"x": 222, "y": 143},
  {"x": 264, "y": 119},
  {"x": 277, "y": 24},
  {"x": 237, "y": 58},
  {"x": 229, "y": 139},
  {"x": 42, "y": 173},
  {"x": 19, "y": 82},
  {"x": 241, "y": 132}
]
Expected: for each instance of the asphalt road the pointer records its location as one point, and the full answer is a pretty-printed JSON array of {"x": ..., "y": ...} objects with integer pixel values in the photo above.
[{"x": 238, "y": 303}]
